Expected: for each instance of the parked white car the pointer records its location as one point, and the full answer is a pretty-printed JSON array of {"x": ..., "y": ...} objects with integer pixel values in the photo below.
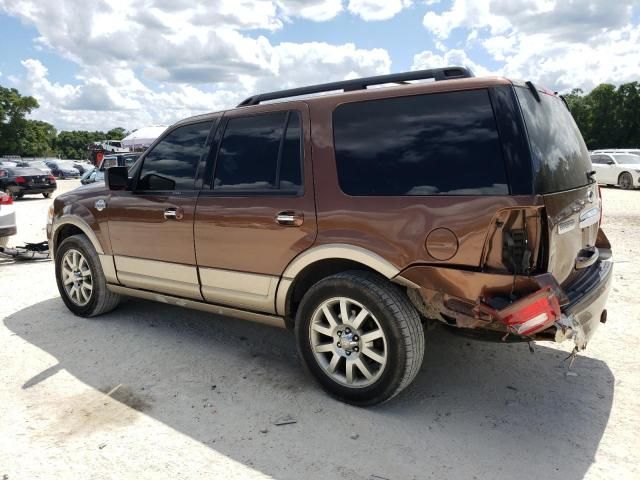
[
  {"x": 621, "y": 169},
  {"x": 7, "y": 218}
]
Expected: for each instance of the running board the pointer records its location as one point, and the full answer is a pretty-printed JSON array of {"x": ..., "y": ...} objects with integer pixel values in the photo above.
[{"x": 271, "y": 320}]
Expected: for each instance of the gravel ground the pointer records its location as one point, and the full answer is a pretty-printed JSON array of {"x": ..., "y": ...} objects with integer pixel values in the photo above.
[{"x": 153, "y": 391}]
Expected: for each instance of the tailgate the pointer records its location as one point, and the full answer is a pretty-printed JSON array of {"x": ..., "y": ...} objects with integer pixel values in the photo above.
[{"x": 573, "y": 219}]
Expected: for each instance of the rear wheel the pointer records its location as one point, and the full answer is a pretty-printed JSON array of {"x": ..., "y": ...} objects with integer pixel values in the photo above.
[
  {"x": 46, "y": 194},
  {"x": 81, "y": 281},
  {"x": 360, "y": 337},
  {"x": 625, "y": 181}
]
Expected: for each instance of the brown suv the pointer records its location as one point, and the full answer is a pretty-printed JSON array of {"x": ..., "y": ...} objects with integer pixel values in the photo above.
[{"x": 352, "y": 217}]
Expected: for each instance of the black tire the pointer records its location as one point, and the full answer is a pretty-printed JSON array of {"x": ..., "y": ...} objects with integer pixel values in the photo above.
[
  {"x": 625, "y": 180},
  {"x": 101, "y": 300},
  {"x": 395, "y": 315},
  {"x": 46, "y": 194}
]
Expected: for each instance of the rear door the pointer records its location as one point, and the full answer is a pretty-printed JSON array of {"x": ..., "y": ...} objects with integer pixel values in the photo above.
[
  {"x": 256, "y": 210},
  {"x": 561, "y": 167}
]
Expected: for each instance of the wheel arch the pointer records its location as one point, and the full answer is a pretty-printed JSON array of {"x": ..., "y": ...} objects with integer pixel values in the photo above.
[
  {"x": 319, "y": 262},
  {"x": 623, "y": 173},
  {"x": 67, "y": 226}
]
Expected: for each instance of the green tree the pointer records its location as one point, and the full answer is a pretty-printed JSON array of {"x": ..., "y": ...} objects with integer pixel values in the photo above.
[
  {"x": 13, "y": 110},
  {"x": 608, "y": 117},
  {"x": 116, "y": 133},
  {"x": 37, "y": 139}
]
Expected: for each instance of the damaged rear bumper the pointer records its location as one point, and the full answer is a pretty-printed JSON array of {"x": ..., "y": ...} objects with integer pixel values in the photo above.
[
  {"x": 586, "y": 309},
  {"x": 478, "y": 300}
]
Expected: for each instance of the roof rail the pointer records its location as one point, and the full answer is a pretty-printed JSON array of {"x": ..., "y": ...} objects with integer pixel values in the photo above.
[{"x": 437, "y": 74}]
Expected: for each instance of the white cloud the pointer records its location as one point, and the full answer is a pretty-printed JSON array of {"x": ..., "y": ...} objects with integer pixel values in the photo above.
[
  {"x": 377, "y": 9},
  {"x": 316, "y": 10},
  {"x": 427, "y": 59},
  {"x": 558, "y": 43},
  {"x": 156, "y": 61}
]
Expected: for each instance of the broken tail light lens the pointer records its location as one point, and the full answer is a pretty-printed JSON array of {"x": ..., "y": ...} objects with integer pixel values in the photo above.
[
  {"x": 528, "y": 315},
  {"x": 20, "y": 180}
]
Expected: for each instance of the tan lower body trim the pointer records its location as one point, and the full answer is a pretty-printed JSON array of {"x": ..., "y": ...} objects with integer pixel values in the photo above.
[
  {"x": 271, "y": 320},
  {"x": 172, "y": 278},
  {"x": 240, "y": 289},
  {"x": 108, "y": 268}
]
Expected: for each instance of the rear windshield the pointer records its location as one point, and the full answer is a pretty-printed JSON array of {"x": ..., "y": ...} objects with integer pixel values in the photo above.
[{"x": 560, "y": 158}]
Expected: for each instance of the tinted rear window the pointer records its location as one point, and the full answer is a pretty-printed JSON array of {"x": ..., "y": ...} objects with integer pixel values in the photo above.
[
  {"x": 260, "y": 153},
  {"x": 437, "y": 144},
  {"x": 560, "y": 158}
]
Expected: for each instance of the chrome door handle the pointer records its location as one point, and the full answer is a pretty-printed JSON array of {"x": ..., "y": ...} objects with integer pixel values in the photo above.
[
  {"x": 173, "y": 213},
  {"x": 289, "y": 218}
]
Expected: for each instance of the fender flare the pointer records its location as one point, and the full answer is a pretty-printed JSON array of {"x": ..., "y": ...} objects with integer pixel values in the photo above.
[
  {"x": 326, "y": 252},
  {"x": 76, "y": 221}
]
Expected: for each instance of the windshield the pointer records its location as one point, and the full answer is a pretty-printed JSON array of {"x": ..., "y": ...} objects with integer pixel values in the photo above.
[
  {"x": 560, "y": 158},
  {"x": 627, "y": 159}
]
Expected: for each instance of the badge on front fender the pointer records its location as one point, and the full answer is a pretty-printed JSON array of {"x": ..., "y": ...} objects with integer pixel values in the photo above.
[{"x": 100, "y": 205}]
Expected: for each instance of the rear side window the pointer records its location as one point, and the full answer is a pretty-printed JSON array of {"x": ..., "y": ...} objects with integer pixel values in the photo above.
[
  {"x": 560, "y": 157},
  {"x": 260, "y": 153},
  {"x": 437, "y": 144},
  {"x": 172, "y": 163}
]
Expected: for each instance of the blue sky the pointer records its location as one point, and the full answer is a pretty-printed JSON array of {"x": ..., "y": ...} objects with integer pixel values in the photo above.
[{"x": 102, "y": 63}]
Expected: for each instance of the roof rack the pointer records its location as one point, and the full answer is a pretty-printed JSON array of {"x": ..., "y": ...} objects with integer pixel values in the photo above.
[{"x": 437, "y": 74}]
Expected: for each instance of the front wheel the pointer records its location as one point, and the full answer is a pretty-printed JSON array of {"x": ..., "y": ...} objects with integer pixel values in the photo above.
[
  {"x": 81, "y": 281},
  {"x": 360, "y": 337},
  {"x": 625, "y": 181}
]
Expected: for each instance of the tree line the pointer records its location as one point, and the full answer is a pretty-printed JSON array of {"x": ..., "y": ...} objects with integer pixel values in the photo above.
[
  {"x": 608, "y": 117},
  {"x": 34, "y": 138}
]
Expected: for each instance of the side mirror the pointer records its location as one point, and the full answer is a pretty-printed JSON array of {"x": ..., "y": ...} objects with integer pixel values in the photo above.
[
  {"x": 116, "y": 178},
  {"x": 610, "y": 162}
]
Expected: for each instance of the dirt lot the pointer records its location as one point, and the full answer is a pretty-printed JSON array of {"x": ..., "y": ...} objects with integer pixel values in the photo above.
[{"x": 194, "y": 395}]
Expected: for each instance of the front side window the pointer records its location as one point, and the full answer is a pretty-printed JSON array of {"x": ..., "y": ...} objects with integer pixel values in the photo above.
[
  {"x": 260, "y": 153},
  {"x": 173, "y": 162},
  {"x": 436, "y": 144}
]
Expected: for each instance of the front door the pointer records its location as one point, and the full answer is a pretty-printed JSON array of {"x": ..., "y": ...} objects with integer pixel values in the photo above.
[
  {"x": 256, "y": 210},
  {"x": 151, "y": 226}
]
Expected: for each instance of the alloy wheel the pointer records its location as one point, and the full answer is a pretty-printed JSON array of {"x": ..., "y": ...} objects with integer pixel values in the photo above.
[
  {"x": 348, "y": 342},
  {"x": 76, "y": 277}
]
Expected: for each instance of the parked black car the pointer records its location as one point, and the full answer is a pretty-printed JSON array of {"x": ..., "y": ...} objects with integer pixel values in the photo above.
[
  {"x": 62, "y": 168},
  {"x": 19, "y": 181}
]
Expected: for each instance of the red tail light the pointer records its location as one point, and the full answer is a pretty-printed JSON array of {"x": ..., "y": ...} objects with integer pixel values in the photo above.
[
  {"x": 20, "y": 180},
  {"x": 530, "y": 314},
  {"x": 5, "y": 199},
  {"x": 52, "y": 179}
]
